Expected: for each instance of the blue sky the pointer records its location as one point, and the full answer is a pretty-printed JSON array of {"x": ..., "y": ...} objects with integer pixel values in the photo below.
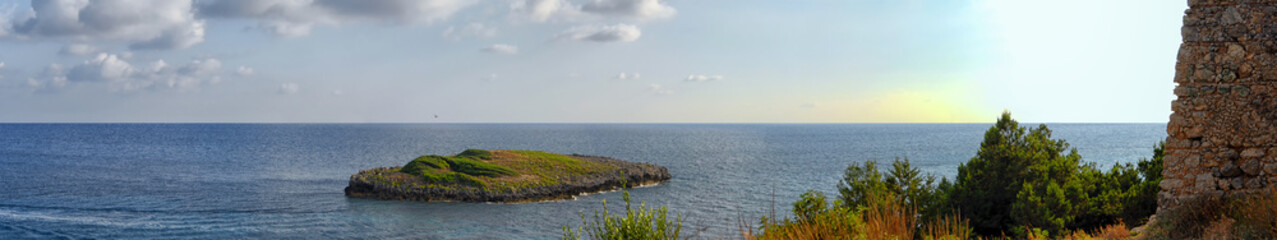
[{"x": 833, "y": 61}]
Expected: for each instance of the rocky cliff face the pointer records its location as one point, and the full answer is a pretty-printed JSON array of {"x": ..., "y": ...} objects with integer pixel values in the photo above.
[{"x": 1221, "y": 134}]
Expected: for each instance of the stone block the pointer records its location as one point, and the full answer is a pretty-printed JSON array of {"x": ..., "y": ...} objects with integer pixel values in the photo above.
[
  {"x": 1253, "y": 153},
  {"x": 1229, "y": 170},
  {"x": 1255, "y": 183},
  {"x": 1252, "y": 167}
]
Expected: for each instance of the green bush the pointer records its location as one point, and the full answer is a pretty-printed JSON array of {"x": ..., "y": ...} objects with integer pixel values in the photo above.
[
  {"x": 903, "y": 183},
  {"x": 810, "y": 205},
  {"x": 637, "y": 223},
  {"x": 425, "y": 163},
  {"x": 478, "y": 168},
  {"x": 476, "y": 154}
]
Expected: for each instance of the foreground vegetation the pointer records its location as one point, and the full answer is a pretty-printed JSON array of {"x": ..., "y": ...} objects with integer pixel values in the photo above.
[
  {"x": 636, "y": 223},
  {"x": 1021, "y": 184}
]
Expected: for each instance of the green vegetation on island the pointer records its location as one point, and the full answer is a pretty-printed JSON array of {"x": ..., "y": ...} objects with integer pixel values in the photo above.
[{"x": 476, "y": 175}]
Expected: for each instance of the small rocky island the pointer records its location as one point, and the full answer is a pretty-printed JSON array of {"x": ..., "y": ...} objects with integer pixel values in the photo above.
[{"x": 501, "y": 176}]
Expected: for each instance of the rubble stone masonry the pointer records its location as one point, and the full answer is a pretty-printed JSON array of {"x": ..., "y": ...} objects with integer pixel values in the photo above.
[{"x": 1221, "y": 134}]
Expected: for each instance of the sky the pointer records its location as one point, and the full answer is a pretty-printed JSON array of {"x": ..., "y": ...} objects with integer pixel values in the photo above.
[{"x": 587, "y": 61}]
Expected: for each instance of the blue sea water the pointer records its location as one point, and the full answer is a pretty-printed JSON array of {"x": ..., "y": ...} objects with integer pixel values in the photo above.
[{"x": 220, "y": 181}]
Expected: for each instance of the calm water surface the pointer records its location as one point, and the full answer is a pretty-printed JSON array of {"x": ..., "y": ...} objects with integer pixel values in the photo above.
[{"x": 147, "y": 181}]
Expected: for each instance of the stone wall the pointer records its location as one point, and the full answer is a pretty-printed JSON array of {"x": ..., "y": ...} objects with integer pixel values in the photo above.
[{"x": 1221, "y": 134}]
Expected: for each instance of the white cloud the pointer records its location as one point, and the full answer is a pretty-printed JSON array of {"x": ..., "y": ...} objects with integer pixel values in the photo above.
[
  {"x": 490, "y": 77},
  {"x": 605, "y": 33},
  {"x": 703, "y": 78},
  {"x": 595, "y": 10},
  {"x": 291, "y": 18},
  {"x": 144, "y": 24},
  {"x": 53, "y": 77},
  {"x": 635, "y": 9},
  {"x": 289, "y": 88},
  {"x": 501, "y": 49},
  {"x": 624, "y": 76},
  {"x": 200, "y": 67},
  {"x": 1, "y": 64},
  {"x": 119, "y": 75},
  {"x": 338, "y": 93},
  {"x": 78, "y": 49},
  {"x": 244, "y": 71},
  {"x": 472, "y": 30},
  {"x": 545, "y": 10},
  {"x": 659, "y": 90}
]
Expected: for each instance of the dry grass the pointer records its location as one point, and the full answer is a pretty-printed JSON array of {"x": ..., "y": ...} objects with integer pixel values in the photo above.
[
  {"x": 1251, "y": 216},
  {"x": 879, "y": 221},
  {"x": 830, "y": 226},
  {"x": 888, "y": 220},
  {"x": 947, "y": 227},
  {"x": 1113, "y": 232},
  {"x": 1258, "y": 215}
]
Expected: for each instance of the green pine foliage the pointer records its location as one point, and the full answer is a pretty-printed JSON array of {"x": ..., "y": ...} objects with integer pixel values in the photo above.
[
  {"x": 1023, "y": 182},
  {"x": 903, "y": 183}
]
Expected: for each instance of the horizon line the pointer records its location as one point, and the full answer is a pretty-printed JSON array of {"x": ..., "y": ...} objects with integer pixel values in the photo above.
[{"x": 595, "y": 123}]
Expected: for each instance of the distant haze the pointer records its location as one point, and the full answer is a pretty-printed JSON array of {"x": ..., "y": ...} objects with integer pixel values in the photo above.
[{"x": 587, "y": 61}]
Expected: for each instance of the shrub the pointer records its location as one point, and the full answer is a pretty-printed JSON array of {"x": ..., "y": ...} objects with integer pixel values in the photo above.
[
  {"x": 879, "y": 218},
  {"x": 475, "y": 154},
  {"x": 637, "y": 223},
  {"x": 1257, "y": 215},
  {"x": 903, "y": 183},
  {"x": 478, "y": 168},
  {"x": 810, "y": 205},
  {"x": 814, "y": 218}
]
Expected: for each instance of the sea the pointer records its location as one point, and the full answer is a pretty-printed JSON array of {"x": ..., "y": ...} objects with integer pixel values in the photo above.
[{"x": 285, "y": 181}]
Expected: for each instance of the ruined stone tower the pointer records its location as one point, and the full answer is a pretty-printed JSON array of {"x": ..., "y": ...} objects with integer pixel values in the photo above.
[{"x": 1221, "y": 134}]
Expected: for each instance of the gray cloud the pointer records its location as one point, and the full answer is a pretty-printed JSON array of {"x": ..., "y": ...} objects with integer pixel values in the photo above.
[
  {"x": 145, "y": 24},
  {"x": 119, "y": 75},
  {"x": 604, "y": 33},
  {"x": 501, "y": 49},
  {"x": 292, "y": 18}
]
